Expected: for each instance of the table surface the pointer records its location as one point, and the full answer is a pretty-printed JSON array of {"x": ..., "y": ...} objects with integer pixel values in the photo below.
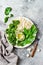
[{"x": 32, "y": 9}]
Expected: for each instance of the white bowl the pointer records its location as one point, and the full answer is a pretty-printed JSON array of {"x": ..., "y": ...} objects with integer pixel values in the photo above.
[{"x": 27, "y": 44}]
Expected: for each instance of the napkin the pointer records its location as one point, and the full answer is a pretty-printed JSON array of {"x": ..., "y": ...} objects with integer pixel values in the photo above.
[{"x": 7, "y": 57}]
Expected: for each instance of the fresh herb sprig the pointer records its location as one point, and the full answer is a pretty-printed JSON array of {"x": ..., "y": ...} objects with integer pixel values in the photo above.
[{"x": 7, "y": 12}]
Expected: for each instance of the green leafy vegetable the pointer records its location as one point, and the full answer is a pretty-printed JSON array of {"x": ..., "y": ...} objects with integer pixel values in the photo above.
[
  {"x": 8, "y": 10},
  {"x": 6, "y": 19},
  {"x": 31, "y": 31},
  {"x": 30, "y": 35},
  {"x": 11, "y": 32}
]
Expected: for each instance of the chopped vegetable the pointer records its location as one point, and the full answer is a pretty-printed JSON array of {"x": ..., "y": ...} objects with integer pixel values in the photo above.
[{"x": 8, "y": 10}]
